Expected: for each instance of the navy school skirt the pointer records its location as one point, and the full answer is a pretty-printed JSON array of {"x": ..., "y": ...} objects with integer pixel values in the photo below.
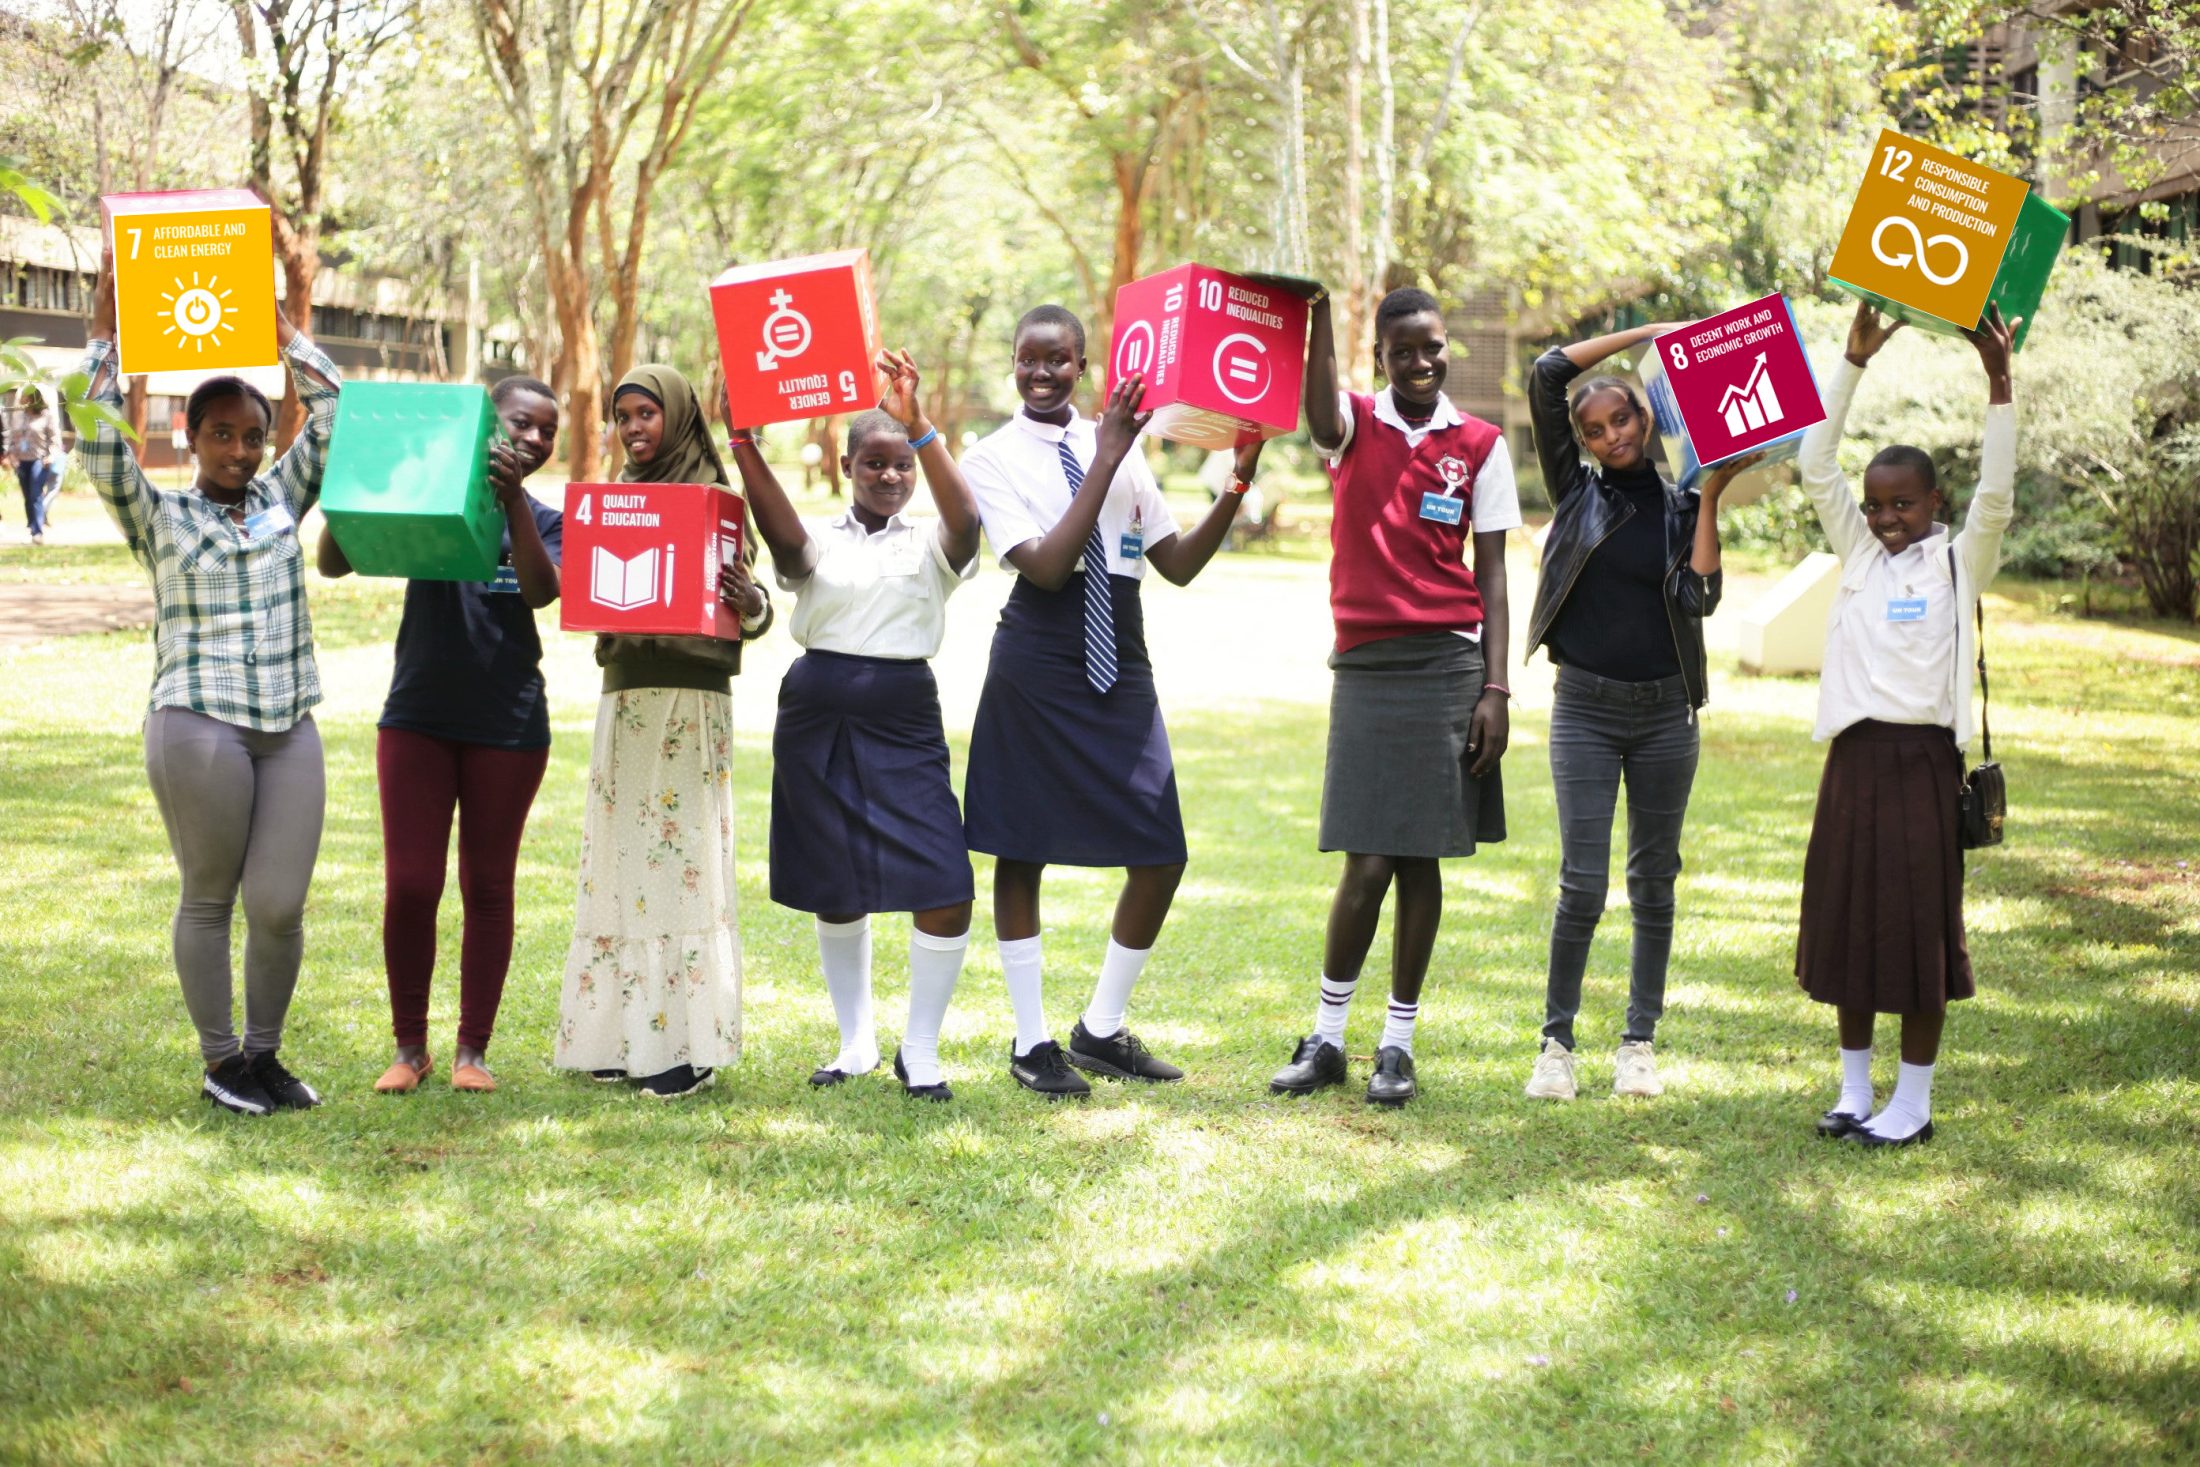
[
  {"x": 863, "y": 811},
  {"x": 1059, "y": 773}
]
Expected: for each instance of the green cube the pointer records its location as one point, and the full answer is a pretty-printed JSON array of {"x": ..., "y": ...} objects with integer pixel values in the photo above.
[
  {"x": 407, "y": 489},
  {"x": 2019, "y": 283}
]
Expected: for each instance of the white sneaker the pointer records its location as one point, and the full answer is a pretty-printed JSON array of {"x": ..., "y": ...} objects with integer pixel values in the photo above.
[
  {"x": 1554, "y": 1073},
  {"x": 1634, "y": 1072}
]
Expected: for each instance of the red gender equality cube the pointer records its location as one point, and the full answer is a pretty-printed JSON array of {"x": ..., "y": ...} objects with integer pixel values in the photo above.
[
  {"x": 644, "y": 559},
  {"x": 1223, "y": 356},
  {"x": 797, "y": 337}
]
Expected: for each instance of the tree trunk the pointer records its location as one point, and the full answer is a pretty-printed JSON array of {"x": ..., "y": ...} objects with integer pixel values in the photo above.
[{"x": 1353, "y": 363}]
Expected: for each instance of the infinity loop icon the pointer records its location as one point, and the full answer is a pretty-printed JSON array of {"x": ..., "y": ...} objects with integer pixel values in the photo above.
[{"x": 1919, "y": 245}]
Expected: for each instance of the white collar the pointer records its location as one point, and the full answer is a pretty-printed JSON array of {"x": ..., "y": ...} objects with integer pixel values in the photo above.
[
  {"x": 1047, "y": 432},
  {"x": 1934, "y": 543},
  {"x": 846, "y": 520},
  {"x": 1445, "y": 416}
]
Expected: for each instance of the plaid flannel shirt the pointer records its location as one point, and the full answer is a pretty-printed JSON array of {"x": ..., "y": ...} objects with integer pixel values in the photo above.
[{"x": 231, "y": 638}]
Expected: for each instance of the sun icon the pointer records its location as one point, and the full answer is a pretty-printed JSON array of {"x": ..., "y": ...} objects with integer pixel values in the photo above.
[{"x": 196, "y": 311}]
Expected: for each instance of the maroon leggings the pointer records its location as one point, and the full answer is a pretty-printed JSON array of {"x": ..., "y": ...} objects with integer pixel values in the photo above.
[{"x": 423, "y": 780}]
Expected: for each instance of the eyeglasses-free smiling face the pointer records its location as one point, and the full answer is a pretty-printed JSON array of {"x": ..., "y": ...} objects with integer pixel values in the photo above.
[
  {"x": 1048, "y": 365},
  {"x": 230, "y": 442},
  {"x": 883, "y": 473},
  {"x": 531, "y": 422},
  {"x": 1612, "y": 428},
  {"x": 641, "y": 425},
  {"x": 1411, "y": 358},
  {"x": 1898, "y": 506}
]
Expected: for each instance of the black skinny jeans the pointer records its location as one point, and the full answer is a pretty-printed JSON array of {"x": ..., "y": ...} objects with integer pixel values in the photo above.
[{"x": 1603, "y": 731}]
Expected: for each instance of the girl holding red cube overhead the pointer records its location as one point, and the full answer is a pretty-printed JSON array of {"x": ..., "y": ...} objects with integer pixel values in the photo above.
[
  {"x": 465, "y": 732},
  {"x": 1417, "y": 713},
  {"x": 1069, "y": 759},
  {"x": 653, "y": 977},
  {"x": 863, "y": 813}
]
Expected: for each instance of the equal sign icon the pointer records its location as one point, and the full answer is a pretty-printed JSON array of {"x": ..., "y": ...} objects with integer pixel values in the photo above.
[{"x": 1245, "y": 369}]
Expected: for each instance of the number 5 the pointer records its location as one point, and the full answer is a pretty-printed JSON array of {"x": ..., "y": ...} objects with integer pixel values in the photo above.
[{"x": 848, "y": 386}]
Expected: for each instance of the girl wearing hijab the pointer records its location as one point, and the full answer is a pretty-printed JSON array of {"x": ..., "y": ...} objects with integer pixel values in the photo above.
[{"x": 653, "y": 978}]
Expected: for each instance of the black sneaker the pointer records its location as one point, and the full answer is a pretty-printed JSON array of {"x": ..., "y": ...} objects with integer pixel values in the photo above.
[
  {"x": 1392, "y": 1082},
  {"x": 607, "y": 1077},
  {"x": 282, "y": 1087},
  {"x": 919, "y": 1092},
  {"x": 678, "y": 1081},
  {"x": 1045, "y": 1070},
  {"x": 1315, "y": 1065},
  {"x": 232, "y": 1086},
  {"x": 1120, "y": 1056}
]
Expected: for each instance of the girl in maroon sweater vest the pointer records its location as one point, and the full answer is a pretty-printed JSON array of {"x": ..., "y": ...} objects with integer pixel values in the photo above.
[{"x": 1417, "y": 715}]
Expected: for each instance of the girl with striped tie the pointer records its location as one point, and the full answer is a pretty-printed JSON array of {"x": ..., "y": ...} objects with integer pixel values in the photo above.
[{"x": 1069, "y": 759}]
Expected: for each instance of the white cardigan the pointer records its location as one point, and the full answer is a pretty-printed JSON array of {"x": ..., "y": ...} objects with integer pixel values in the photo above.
[{"x": 1864, "y": 558}]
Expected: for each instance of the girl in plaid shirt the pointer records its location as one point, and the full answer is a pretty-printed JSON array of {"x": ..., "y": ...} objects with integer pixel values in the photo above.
[{"x": 230, "y": 744}]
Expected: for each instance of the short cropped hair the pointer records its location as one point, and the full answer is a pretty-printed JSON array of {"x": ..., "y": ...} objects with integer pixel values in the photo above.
[
  {"x": 1051, "y": 315},
  {"x": 506, "y": 386},
  {"x": 869, "y": 421},
  {"x": 221, "y": 389},
  {"x": 1401, "y": 303},
  {"x": 1908, "y": 456}
]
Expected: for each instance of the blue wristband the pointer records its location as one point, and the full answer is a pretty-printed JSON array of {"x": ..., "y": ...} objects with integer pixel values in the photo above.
[{"x": 929, "y": 435}]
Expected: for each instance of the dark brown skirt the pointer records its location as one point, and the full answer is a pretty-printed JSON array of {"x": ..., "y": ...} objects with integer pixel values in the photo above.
[{"x": 1882, "y": 921}]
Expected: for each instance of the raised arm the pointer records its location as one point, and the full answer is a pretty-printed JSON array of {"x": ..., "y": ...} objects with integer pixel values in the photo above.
[
  {"x": 794, "y": 554},
  {"x": 130, "y": 499},
  {"x": 329, "y": 557},
  {"x": 951, "y": 494},
  {"x": 297, "y": 474},
  {"x": 1819, "y": 461},
  {"x": 1319, "y": 394},
  {"x": 532, "y": 564},
  {"x": 1049, "y": 561},
  {"x": 1181, "y": 557},
  {"x": 1993, "y": 506}
]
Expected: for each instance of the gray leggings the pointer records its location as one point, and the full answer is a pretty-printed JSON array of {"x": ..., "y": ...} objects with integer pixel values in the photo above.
[{"x": 243, "y": 809}]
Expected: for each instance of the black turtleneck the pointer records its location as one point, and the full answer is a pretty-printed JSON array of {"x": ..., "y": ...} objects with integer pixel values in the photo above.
[{"x": 1613, "y": 622}]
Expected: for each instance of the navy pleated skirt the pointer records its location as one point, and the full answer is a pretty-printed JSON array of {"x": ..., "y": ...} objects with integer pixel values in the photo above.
[
  {"x": 863, "y": 809},
  {"x": 1060, "y": 773}
]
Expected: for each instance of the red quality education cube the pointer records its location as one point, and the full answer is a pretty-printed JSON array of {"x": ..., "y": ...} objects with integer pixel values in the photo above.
[
  {"x": 1222, "y": 355},
  {"x": 644, "y": 559},
  {"x": 797, "y": 337}
]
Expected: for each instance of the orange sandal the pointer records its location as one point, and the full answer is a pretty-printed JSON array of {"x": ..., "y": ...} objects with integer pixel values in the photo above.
[
  {"x": 471, "y": 1076},
  {"x": 403, "y": 1076}
]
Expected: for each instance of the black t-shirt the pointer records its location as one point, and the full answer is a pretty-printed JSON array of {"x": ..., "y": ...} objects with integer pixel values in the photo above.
[
  {"x": 469, "y": 661},
  {"x": 1614, "y": 620}
]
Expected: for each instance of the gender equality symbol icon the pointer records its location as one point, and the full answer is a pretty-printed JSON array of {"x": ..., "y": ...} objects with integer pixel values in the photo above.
[{"x": 786, "y": 333}]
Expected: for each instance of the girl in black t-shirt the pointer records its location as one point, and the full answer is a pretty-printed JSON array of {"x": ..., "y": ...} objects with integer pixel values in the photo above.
[{"x": 465, "y": 731}]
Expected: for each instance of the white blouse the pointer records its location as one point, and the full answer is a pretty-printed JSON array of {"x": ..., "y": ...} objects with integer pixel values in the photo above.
[
  {"x": 875, "y": 594},
  {"x": 1023, "y": 491}
]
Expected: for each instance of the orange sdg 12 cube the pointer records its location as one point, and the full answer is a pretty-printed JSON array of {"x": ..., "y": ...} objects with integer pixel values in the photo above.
[
  {"x": 194, "y": 280},
  {"x": 1928, "y": 229}
]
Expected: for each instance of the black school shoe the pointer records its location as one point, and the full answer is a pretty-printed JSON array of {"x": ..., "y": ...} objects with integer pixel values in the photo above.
[
  {"x": 1392, "y": 1083},
  {"x": 1315, "y": 1065},
  {"x": 678, "y": 1081},
  {"x": 1045, "y": 1070},
  {"x": 286, "y": 1090},
  {"x": 1120, "y": 1056},
  {"x": 919, "y": 1092},
  {"x": 232, "y": 1086},
  {"x": 1835, "y": 1124},
  {"x": 1862, "y": 1137}
]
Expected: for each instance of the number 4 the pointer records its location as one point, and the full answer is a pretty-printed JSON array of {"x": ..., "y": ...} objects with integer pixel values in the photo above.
[{"x": 581, "y": 515}]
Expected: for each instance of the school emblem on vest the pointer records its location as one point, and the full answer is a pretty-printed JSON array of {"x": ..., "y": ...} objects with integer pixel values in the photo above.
[{"x": 1453, "y": 469}]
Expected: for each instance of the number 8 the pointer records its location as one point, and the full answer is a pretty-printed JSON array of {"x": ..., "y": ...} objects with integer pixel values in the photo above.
[{"x": 1680, "y": 357}]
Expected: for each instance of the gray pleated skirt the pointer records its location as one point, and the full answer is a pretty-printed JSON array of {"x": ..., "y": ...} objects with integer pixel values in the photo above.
[{"x": 1396, "y": 783}]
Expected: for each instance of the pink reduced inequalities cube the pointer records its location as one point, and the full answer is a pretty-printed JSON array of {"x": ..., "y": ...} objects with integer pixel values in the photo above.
[{"x": 1222, "y": 356}]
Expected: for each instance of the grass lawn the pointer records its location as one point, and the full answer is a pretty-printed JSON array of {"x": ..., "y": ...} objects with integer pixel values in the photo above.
[{"x": 561, "y": 1272}]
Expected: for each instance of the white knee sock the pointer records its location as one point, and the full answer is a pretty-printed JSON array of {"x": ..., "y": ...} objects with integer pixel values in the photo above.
[
  {"x": 934, "y": 965},
  {"x": 1334, "y": 1008},
  {"x": 1911, "y": 1107},
  {"x": 1398, "y": 1027},
  {"x": 1111, "y": 992},
  {"x": 844, "y": 950},
  {"x": 1020, "y": 968},
  {"x": 1856, "y": 1083}
]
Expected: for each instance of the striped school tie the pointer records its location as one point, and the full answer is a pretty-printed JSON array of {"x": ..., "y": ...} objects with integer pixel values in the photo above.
[{"x": 1099, "y": 608}]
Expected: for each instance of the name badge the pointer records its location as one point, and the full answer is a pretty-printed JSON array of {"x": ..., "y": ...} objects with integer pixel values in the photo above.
[
  {"x": 1905, "y": 608},
  {"x": 1442, "y": 508},
  {"x": 506, "y": 582},
  {"x": 268, "y": 523},
  {"x": 1134, "y": 545}
]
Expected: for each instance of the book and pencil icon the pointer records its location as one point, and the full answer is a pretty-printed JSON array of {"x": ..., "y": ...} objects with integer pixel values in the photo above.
[{"x": 631, "y": 582}]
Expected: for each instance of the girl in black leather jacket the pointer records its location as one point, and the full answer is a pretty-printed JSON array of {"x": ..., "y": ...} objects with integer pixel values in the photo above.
[{"x": 1630, "y": 569}]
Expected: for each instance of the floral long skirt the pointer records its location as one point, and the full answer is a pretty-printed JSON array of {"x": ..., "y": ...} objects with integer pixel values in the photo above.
[{"x": 653, "y": 978}]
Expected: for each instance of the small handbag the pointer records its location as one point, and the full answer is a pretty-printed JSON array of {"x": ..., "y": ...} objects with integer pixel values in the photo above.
[{"x": 1982, "y": 800}]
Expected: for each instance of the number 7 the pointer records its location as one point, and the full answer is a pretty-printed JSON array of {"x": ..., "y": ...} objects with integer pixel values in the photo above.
[{"x": 134, "y": 242}]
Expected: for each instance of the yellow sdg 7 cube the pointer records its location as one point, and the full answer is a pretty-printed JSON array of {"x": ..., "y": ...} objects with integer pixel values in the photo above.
[{"x": 194, "y": 280}]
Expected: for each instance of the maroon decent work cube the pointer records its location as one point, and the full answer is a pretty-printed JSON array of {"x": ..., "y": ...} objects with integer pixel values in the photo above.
[
  {"x": 1222, "y": 356},
  {"x": 644, "y": 559}
]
